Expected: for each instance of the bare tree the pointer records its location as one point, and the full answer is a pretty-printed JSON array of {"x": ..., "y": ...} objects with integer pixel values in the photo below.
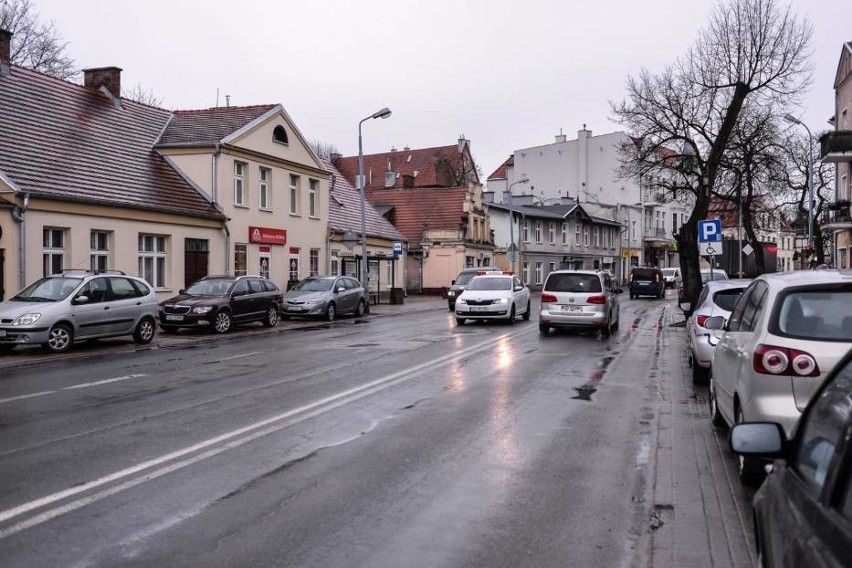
[
  {"x": 142, "y": 95},
  {"x": 324, "y": 149},
  {"x": 682, "y": 120},
  {"x": 35, "y": 45}
]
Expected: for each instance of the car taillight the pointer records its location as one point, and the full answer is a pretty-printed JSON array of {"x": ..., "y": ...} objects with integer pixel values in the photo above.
[
  {"x": 699, "y": 320},
  {"x": 548, "y": 298},
  {"x": 772, "y": 360},
  {"x": 596, "y": 300}
]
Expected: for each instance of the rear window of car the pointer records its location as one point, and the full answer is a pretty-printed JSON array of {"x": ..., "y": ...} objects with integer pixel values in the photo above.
[
  {"x": 822, "y": 314},
  {"x": 726, "y": 299},
  {"x": 645, "y": 274},
  {"x": 573, "y": 283}
]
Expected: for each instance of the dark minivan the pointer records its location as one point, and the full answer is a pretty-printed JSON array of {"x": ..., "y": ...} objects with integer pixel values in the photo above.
[{"x": 646, "y": 281}]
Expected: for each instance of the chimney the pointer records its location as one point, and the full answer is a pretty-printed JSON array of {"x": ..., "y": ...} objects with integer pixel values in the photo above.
[
  {"x": 109, "y": 77},
  {"x": 560, "y": 137},
  {"x": 5, "y": 52},
  {"x": 334, "y": 157},
  {"x": 462, "y": 143}
]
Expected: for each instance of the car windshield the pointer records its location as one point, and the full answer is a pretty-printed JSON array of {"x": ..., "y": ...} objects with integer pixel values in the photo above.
[
  {"x": 573, "y": 283},
  {"x": 490, "y": 283},
  {"x": 726, "y": 299},
  {"x": 218, "y": 287},
  {"x": 668, "y": 271},
  {"x": 817, "y": 315},
  {"x": 50, "y": 289},
  {"x": 314, "y": 285}
]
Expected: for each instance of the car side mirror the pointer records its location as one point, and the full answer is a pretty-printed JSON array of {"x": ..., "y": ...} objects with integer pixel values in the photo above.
[
  {"x": 182, "y": 291},
  {"x": 452, "y": 282},
  {"x": 715, "y": 323},
  {"x": 341, "y": 288},
  {"x": 763, "y": 439},
  {"x": 82, "y": 299}
]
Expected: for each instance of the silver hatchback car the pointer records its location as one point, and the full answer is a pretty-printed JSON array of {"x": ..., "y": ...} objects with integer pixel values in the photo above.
[
  {"x": 785, "y": 334},
  {"x": 58, "y": 310},
  {"x": 325, "y": 297},
  {"x": 579, "y": 299}
]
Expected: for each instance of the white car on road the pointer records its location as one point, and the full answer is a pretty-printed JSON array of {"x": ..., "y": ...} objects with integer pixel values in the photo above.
[{"x": 493, "y": 295}]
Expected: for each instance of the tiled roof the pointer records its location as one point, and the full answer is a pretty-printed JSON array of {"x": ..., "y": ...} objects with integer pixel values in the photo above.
[
  {"x": 426, "y": 167},
  {"x": 205, "y": 127},
  {"x": 64, "y": 141},
  {"x": 414, "y": 209},
  {"x": 500, "y": 173},
  {"x": 344, "y": 210}
]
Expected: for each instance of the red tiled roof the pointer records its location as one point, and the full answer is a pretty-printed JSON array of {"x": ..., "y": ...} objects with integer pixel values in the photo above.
[
  {"x": 433, "y": 167},
  {"x": 63, "y": 141},
  {"x": 501, "y": 172},
  {"x": 414, "y": 209},
  {"x": 205, "y": 127},
  {"x": 344, "y": 210}
]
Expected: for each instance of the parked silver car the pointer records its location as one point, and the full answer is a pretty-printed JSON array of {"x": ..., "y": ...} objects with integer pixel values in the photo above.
[
  {"x": 325, "y": 297},
  {"x": 55, "y": 311},
  {"x": 785, "y": 334},
  {"x": 579, "y": 299},
  {"x": 717, "y": 298}
]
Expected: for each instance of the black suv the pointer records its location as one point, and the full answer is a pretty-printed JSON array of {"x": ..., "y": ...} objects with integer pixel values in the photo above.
[
  {"x": 646, "y": 281},
  {"x": 220, "y": 302}
]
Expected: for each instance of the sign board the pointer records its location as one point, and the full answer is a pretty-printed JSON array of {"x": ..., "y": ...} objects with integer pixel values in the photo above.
[
  {"x": 267, "y": 236},
  {"x": 397, "y": 248},
  {"x": 710, "y": 231},
  {"x": 710, "y": 249},
  {"x": 747, "y": 250}
]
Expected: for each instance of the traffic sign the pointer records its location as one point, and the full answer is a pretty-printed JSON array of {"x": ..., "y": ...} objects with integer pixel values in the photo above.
[
  {"x": 710, "y": 231},
  {"x": 397, "y": 248},
  {"x": 710, "y": 249}
]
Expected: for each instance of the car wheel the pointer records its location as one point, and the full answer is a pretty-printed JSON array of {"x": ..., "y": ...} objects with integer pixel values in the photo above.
[
  {"x": 361, "y": 309},
  {"x": 632, "y": 295},
  {"x": 512, "y": 315},
  {"x": 144, "y": 332},
  {"x": 59, "y": 338},
  {"x": 715, "y": 415},
  {"x": 543, "y": 329},
  {"x": 330, "y": 311},
  {"x": 168, "y": 328},
  {"x": 452, "y": 307},
  {"x": 617, "y": 321},
  {"x": 271, "y": 319},
  {"x": 460, "y": 321},
  {"x": 750, "y": 469},
  {"x": 606, "y": 330},
  {"x": 223, "y": 322},
  {"x": 526, "y": 315},
  {"x": 699, "y": 373}
]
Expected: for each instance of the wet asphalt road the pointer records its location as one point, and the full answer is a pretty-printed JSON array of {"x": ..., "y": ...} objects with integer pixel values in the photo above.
[{"x": 397, "y": 441}]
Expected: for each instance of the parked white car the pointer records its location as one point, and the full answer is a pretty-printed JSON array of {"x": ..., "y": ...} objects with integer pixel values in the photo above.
[
  {"x": 717, "y": 298},
  {"x": 495, "y": 295},
  {"x": 785, "y": 334}
]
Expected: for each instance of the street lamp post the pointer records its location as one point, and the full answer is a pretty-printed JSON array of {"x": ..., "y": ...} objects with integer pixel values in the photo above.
[
  {"x": 512, "y": 221},
  {"x": 790, "y": 118},
  {"x": 383, "y": 113}
]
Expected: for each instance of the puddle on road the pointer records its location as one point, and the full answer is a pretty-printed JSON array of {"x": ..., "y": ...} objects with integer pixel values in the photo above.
[{"x": 586, "y": 391}]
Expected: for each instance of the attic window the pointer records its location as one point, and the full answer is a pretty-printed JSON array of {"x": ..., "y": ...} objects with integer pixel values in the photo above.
[
  {"x": 408, "y": 159},
  {"x": 280, "y": 135}
]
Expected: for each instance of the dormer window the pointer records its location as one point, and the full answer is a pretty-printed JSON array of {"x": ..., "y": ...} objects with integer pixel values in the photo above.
[{"x": 280, "y": 135}]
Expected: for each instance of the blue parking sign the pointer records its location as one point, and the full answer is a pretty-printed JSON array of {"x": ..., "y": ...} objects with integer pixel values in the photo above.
[{"x": 710, "y": 231}]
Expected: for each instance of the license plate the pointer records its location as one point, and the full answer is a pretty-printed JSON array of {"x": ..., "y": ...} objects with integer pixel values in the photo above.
[
  {"x": 572, "y": 308},
  {"x": 2, "y": 333},
  {"x": 478, "y": 308},
  {"x": 173, "y": 317},
  {"x": 292, "y": 309}
]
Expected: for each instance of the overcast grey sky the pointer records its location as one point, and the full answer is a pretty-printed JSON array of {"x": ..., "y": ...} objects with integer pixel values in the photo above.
[{"x": 505, "y": 74}]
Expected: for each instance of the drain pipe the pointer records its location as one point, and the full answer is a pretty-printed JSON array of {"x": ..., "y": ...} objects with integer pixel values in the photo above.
[
  {"x": 18, "y": 216},
  {"x": 214, "y": 191},
  {"x": 330, "y": 232}
]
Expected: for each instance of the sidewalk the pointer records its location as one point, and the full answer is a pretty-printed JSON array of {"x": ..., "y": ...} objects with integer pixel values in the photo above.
[
  {"x": 700, "y": 512},
  {"x": 25, "y": 356}
]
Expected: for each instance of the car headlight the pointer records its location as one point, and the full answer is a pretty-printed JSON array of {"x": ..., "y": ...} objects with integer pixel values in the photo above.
[
  {"x": 314, "y": 301},
  {"x": 501, "y": 301},
  {"x": 451, "y": 293},
  {"x": 202, "y": 309},
  {"x": 26, "y": 319},
  {"x": 461, "y": 301}
]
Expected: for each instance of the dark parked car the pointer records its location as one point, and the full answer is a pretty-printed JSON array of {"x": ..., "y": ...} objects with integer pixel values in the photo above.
[
  {"x": 220, "y": 302},
  {"x": 803, "y": 511},
  {"x": 646, "y": 281},
  {"x": 325, "y": 297}
]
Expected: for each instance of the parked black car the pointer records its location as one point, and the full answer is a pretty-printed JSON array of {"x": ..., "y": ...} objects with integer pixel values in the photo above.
[
  {"x": 646, "y": 281},
  {"x": 220, "y": 302},
  {"x": 803, "y": 511}
]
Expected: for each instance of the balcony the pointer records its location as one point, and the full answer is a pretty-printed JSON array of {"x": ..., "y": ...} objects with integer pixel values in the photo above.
[
  {"x": 837, "y": 216},
  {"x": 836, "y": 146}
]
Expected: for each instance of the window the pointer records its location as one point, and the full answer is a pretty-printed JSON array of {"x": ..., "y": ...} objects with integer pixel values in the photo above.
[
  {"x": 294, "y": 195},
  {"x": 468, "y": 262},
  {"x": 539, "y": 272},
  {"x": 315, "y": 253},
  {"x": 239, "y": 184},
  {"x": 152, "y": 259},
  {"x": 263, "y": 188},
  {"x": 551, "y": 267},
  {"x": 597, "y": 232},
  {"x": 313, "y": 186},
  {"x": 294, "y": 263},
  {"x": 585, "y": 235},
  {"x": 279, "y": 135},
  {"x": 526, "y": 231},
  {"x": 240, "y": 259},
  {"x": 577, "y": 234},
  {"x": 100, "y": 251},
  {"x": 265, "y": 262},
  {"x": 538, "y": 231},
  {"x": 54, "y": 251},
  {"x": 564, "y": 233},
  {"x": 551, "y": 232},
  {"x": 335, "y": 267}
]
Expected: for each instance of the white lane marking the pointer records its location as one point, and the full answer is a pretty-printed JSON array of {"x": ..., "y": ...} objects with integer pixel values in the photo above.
[
  {"x": 105, "y": 381},
  {"x": 232, "y": 440},
  {"x": 238, "y": 356},
  {"x": 22, "y": 397}
]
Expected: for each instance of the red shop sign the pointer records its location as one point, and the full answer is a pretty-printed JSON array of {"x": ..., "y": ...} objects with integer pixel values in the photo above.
[{"x": 267, "y": 236}]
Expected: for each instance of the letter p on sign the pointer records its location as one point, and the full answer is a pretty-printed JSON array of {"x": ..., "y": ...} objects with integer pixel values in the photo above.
[{"x": 710, "y": 231}]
